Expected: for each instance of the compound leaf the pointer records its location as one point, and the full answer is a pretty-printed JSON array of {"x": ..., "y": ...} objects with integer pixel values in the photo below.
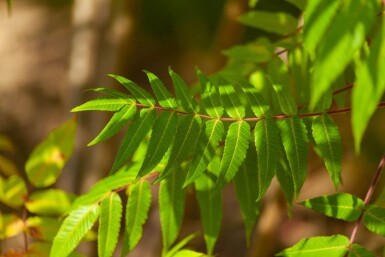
[
  {"x": 109, "y": 224},
  {"x": 209, "y": 96},
  {"x": 229, "y": 99},
  {"x": 340, "y": 206},
  {"x": 104, "y": 104},
  {"x": 73, "y": 229},
  {"x": 184, "y": 98}
]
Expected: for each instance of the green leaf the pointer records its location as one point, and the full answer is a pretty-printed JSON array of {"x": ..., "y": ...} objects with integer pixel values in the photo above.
[
  {"x": 340, "y": 206},
  {"x": 104, "y": 104},
  {"x": 300, "y": 4},
  {"x": 139, "y": 93},
  {"x": 236, "y": 144},
  {"x": 266, "y": 141},
  {"x": 210, "y": 204},
  {"x": 6, "y": 144},
  {"x": 285, "y": 180},
  {"x": 258, "y": 104},
  {"x": 12, "y": 225},
  {"x": 49, "y": 202},
  {"x": 103, "y": 187},
  {"x": 184, "y": 98},
  {"x": 295, "y": 143},
  {"x": 42, "y": 249},
  {"x": 229, "y": 99},
  {"x": 138, "y": 206},
  {"x": 256, "y": 52},
  {"x": 162, "y": 136},
  {"x": 117, "y": 122},
  {"x": 286, "y": 101},
  {"x": 318, "y": 16},
  {"x": 162, "y": 94},
  {"x": 350, "y": 28},
  {"x": 369, "y": 86},
  {"x": 171, "y": 207},
  {"x": 209, "y": 96},
  {"x": 73, "y": 229},
  {"x": 188, "y": 253},
  {"x": 209, "y": 139},
  {"x": 299, "y": 63},
  {"x": 185, "y": 142},
  {"x": 321, "y": 246},
  {"x": 328, "y": 140},
  {"x": 43, "y": 228},
  {"x": 135, "y": 133},
  {"x": 46, "y": 161},
  {"x": 359, "y": 251},
  {"x": 277, "y": 22},
  {"x": 374, "y": 219},
  {"x": 7, "y": 167},
  {"x": 175, "y": 249},
  {"x": 111, "y": 92},
  {"x": 9, "y": 5},
  {"x": 13, "y": 191},
  {"x": 109, "y": 224},
  {"x": 246, "y": 186}
]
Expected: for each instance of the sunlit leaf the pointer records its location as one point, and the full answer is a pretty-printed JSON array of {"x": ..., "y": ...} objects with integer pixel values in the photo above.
[
  {"x": 139, "y": 93},
  {"x": 209, "y": 96},
  {"x": 12, "y": 225},
  {"x": 260, "y": 51},
  {"x": 109, "y": 224},
  {"x": 229, "y": 99},
  {"x": 43, "y": 228},
  {"x": 46, "y": 161},
  {"x": 111, "y": 92},
  {"x": 182, "y": 243},
  {"x": 321, "y": 246},
  {"x": 49, "y": 202},
  {"x": 104, "y": 104},
  {"x": 374, "y": 219},
  {"x": 73, "y": 229},
  {"x": 340, "y": 206},
  {"x": 258, "y": 104},
  {"x": 184, "y": 98},
  {"x": 13, "y": 191},
  {"x": 162, "y": 94}
]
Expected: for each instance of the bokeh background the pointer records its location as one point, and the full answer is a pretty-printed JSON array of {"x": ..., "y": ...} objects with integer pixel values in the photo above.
[{"x": 52, "y": 50}]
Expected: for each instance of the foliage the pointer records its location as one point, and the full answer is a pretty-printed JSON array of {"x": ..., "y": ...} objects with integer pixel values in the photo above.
[{"x": 252, "y": 121}]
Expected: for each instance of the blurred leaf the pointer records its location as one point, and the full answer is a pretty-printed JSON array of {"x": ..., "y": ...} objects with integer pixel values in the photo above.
[
  {"x": 210, "y": 204},
  {"x": 137, "y": 208},
  {"x": 374, "y": 219},
  {"x": 46, "y": 161},
  {"x": 277, "y": 22},
  {"x": 340, "y": 206},
  {"x": 6, "y": 144},
  {"x": 359, "y": 251},
  {"x": 7, "y": 167},
  {"x": 42, "y": 249},
  {"x": 13, "y": 191},
  {"x": 369, "y": 86},
  {"x": 11, "y": 225},
  {"x": 321, "y": 246},
  {"x": 260, "y": 51},
  {"x": 300, "y": 4},
  {"x": 180, "y": 245},
  {"x": 49, "y": 202},
  {"x": 43, "y": 228},
  {"x": 109, "y": 224},
  {"x": 73, "y": 229}
]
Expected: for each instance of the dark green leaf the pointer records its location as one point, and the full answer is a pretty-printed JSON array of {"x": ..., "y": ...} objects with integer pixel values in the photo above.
[
  {"x": 117, "y": 122},
  {"x": 46, "y": 161},
  {"x": 328, "y": 140},
  {"x": 135, "y": 133},
  {"x": 295, "y": 143},
  {"x": 208, "y": 142},
  {"x": 185, "y": 141},
  {"x": 340, "y": 206},
  {"x": 139, "y": 93},
  {"x": 260, "y": 51},
  {"x": 162, "y": 136},
  {"x": 236, "y": 144},
  {"x": 210, "y": 204},
  {"x": 374, "y": 219},
  {"x": 359, "y": 251},
  {"x": 266, "y": 141}
]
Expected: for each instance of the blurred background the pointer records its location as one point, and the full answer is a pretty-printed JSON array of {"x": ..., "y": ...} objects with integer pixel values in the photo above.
[{"x": 52, "y": 50}]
